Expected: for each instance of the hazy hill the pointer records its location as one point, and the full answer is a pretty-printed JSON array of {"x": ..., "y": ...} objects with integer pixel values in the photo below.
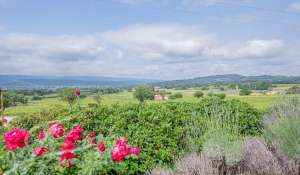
[
  {"x": 229, "y": 78},
  {"x": 29, "y": 82}
]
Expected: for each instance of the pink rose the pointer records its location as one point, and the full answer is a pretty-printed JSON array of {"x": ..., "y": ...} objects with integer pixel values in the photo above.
[
  {"x": 40, "y": 151},
  {"x": 134, "y": 151},
  {"x": 101, "y": 147},
  {"x": 56, "y": 130},
  {"x": 42, "y": 135},
  {"x": 122, "y": 140},
  {"x": 119, "y": 152},
  {"x": 16, "y": 138},
  {"x": 66, "y": 158},
  {"x": 74, "y": 135}
]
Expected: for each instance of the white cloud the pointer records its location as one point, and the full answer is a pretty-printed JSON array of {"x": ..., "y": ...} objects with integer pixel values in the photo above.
[
  {"x": 254, "y": 49},
  {"x": 294, "y": 7},
  {"x": 170, "y": 51},
  {"x": 161, "y": 40}
]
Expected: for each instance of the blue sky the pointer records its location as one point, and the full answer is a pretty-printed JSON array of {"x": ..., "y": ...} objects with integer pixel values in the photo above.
[{"x": 161, "y": 39}]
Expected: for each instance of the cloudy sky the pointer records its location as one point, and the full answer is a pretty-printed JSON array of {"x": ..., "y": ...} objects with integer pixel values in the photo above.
[{"x": 160, "y": 39}]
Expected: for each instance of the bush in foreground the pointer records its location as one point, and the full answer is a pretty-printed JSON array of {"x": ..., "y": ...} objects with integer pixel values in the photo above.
[{"x": 164, "y": 131}]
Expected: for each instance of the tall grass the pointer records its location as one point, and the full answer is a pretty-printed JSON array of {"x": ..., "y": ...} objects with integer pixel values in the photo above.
[{"x": 282, "y": 126}]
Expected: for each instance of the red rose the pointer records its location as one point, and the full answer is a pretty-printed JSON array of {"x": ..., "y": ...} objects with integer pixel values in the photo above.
[
  {"x": 122, "y": 140},
  {"x": 77, "y": 92},
  {"x": 94, "y": 141},
  {"x": 67, "y": 147},
  {"x": 74, "y": 135},
  {"x": 91, "y": 134},
  {"x": 66, "y": 158},
  {"x": 56, "y": 130},
  {"x": 134, "y": 151},
  {"x": 16, "y": 138},
  {"x": 40, "y": 151},
  {"x": 101, "y": 147},
  {"x": 42, "y": 135},
  {"x": 119, "y": 152}
]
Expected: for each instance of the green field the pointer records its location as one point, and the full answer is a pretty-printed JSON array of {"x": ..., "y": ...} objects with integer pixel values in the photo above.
[{"x": 260, "y": 102}]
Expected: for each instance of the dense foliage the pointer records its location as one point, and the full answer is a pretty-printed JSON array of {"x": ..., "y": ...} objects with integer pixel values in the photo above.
[
  {"x": 144, "y": 93},
  {"x": 162, "y": 130},
  {"x": 293, "y": 90},
  {"x": 13, "y": 99},
  {"x": 220, "y": 95},
  {"x": 176, "y": 95},
  {"x": 198, "y": 94},
  {"x": 245, "y": 92}
]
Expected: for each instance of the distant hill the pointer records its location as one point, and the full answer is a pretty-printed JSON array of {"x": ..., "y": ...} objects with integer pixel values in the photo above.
[
  {"x": 30, "y": 82},
  {"x": 229, "y": 78}
]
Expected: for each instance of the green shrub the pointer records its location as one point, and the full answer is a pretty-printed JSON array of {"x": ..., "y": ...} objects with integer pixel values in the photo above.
[
  {"x": 244, "y": 92},
  {"x": 221, "y": 95},
  {"x": 293, "y": 90},
  {"x": 163, "y": 131},
  {"x": 175, "y": 96},
  {"x": 39, "y": 120},
  {"x": 198, "y": 94},
  {"x": 282, "y": 127},
  {"x": 143, "y": 93},
  {"x": 37, "y": 97}
]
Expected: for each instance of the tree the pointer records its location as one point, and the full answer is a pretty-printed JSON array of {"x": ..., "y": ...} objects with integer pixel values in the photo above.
[
  {"x": 177, "y": 95},
  {"x": 198, "y": 94},
  {"x": 68, "y": 96},
  {"x": 98, "y": 97},
  {"x": 143, "y": 93},
  {"x": 221, "y": 95},
  {"x": 245, "y": 92},
  {"x": 293, "y": 90}
]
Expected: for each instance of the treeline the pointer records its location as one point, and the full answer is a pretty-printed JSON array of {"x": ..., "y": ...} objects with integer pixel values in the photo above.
[
  {"x": 13, "y": 99},
  {"x": 107, "y": 90},
  {"x": 35, "y": 92}
]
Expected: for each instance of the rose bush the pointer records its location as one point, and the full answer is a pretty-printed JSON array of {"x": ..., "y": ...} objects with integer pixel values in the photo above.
[
  {"x": 161, "y": 130},
  {"x": 53, "y": 153}
]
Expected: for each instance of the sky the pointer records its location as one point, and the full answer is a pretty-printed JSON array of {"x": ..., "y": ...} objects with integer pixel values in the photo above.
[{"x": 153, "y": 39}]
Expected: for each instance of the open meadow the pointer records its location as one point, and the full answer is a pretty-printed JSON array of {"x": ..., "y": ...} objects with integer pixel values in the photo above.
[{"x": 261, "y": 102}]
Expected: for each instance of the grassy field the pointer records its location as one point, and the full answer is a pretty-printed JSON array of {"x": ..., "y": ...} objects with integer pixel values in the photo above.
[{"x": 260, "y": 102}]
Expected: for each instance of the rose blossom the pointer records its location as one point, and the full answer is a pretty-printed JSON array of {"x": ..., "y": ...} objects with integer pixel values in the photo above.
[
  {"x": 91, "y": 134},
  {"x": 101, "y": 147},
  {"x": 134, "y": 151},
  {"x": 56, "y": 130},
  {"x": 42, "y": 135},
  {"x": 67, "y": 158},
  {"x": 74, "y": 135},
  {"x": 122, "y": 140},
  {"x": 16, "y": 138},
  {"x": 67, "y": 147},
  {"x": 77, "y": 92},
  {"x": 119, "y": 152},
  {"x": 94, "y": 141},
  {"x": 40, "y": 151}
]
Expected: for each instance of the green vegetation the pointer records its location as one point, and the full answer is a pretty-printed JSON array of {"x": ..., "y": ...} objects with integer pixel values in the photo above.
[
  {"x": 221, "y": 95},
  {"x": 68, "y": 95},
  {"x": 198, "y": 94},
  {"x": 162, "y": 130},
  {"x": 244, "y": 92},
  {"x": 143, "y": 93},
  {"x": 282, "y": 126},
  {"x": 176, "y": 95},
  {"x": 293, "y": 90}
]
